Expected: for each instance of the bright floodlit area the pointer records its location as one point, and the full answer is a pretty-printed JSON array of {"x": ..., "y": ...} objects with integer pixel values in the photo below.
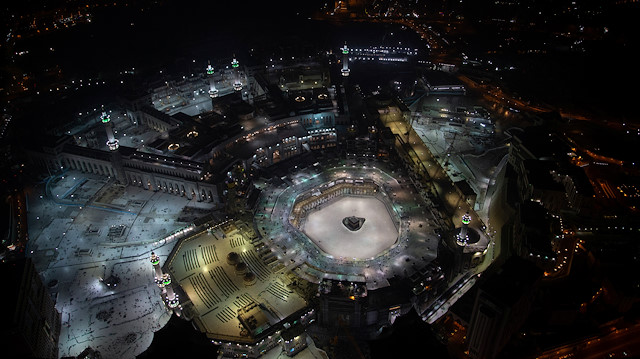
[
  {"x": 217, "y": 287},
  {"x": 376, "y": 259},
  {"x": 85, "y": 229},
  {"x": 325, "y": 228}
]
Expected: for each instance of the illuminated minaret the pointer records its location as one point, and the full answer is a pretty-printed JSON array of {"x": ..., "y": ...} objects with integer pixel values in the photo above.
[
  {"x": 345, "y": 60},
  {"x": 163, "y": 280},
  {"x": 113, "y": 145},
  {"x": 463, "y": 236},
  {"x": 171, "y": 298},
  {"x": 155, "y": 260},
  {"x": 112, "y": 142},
  {"x": 237, "y": 84},
  {"x": 213, "y": 92}
]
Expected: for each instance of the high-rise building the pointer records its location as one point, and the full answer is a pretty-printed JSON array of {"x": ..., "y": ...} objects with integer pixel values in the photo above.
[
  {"x": 501, "y": 306},
  {"x": 31, "y": 328}
]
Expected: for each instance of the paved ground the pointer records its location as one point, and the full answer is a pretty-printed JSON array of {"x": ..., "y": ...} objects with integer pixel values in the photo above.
[
  {"x": 324, "y": 227},
  {"x": 76, "y": 241},
  {"x": 416, "y": 245}
]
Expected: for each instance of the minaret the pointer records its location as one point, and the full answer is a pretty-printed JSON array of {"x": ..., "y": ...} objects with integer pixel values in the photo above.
[
  {"x": 345, "y": 60},
  {"x": 112, "y": 142},
  {"x": 163, "y": 280},
  {"x": 155, "y": 261},
  {"x": 213, "y": 92},
  {"x": 171, "y": 298},
  {"x": 113, "y": 145},
  {"x": 463, "y": 236},
  {"x": 237, "y": 84}
]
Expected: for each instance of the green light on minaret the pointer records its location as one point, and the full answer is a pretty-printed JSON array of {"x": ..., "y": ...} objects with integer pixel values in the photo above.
[
  {"x": 105, "y": 117},
  {"x": 209, "y": 70},
  {"x": 235, "y": 63},
  {"x": 466, "y": 218}
]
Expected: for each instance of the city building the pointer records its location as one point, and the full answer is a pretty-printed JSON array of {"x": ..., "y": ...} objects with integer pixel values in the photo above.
[
  {"x": 533, "y": 237},
  {"x": 32, "y": 327},
  {"x": 501, "y": 306},
  {"x": 149, "y": 171},
  {"x": 441, "y": 83}
]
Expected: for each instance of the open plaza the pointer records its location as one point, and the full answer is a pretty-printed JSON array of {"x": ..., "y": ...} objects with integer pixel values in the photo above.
[
  {"x": 395, "y": 237},
  {"x": 91, "y": 241}
]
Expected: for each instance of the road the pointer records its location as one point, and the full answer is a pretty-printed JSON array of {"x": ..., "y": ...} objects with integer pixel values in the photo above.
[{"x": 617, "y": 343}]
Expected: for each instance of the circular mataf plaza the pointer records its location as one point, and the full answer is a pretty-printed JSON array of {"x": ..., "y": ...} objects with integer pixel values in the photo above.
[{"x": 351, "y": 223}]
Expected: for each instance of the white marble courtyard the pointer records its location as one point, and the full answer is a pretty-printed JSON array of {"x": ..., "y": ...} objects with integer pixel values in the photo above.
[
  {"x": 84, "y": 229},
  {"x": 325, "y": 228}
]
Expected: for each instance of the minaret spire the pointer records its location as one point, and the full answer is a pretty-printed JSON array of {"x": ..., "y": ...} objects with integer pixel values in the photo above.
[
  {"x": 112, "y": 142},
  {"x": 113, "y": 145},
  {"x": 213, "y": 92},
  {"x": 463, "y": 236},
  {"x": 163, "y": 280},
  {"x": 237, "y": 84},
  {"x": 345, "y": 60}
]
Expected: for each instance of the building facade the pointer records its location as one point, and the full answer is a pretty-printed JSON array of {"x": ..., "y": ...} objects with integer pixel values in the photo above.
[{"x": 32, "y": 328}]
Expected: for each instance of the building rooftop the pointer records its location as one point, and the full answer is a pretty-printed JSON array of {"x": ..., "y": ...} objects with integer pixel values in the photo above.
[
  {"x": 542, "y": 144},
  {"x": 539, "y": 175},
  {"x": 441, "y": 78},
  {"x": 536, "y": 220}
]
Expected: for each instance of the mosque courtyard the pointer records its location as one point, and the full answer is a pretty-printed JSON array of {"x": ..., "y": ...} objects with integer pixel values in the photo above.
[
  {"x": 325, "y": 228},
  {"x": 382, "y": 250}
]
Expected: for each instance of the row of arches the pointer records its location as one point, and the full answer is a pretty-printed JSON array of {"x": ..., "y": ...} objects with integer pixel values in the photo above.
[
  {"x": 104, "y": 169},
  {"x": 161, "y": 170},
  {"x": 171, "y": 186},
  {"x": 302, "y": 207},
  {"x": 189, "y": 190}
]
